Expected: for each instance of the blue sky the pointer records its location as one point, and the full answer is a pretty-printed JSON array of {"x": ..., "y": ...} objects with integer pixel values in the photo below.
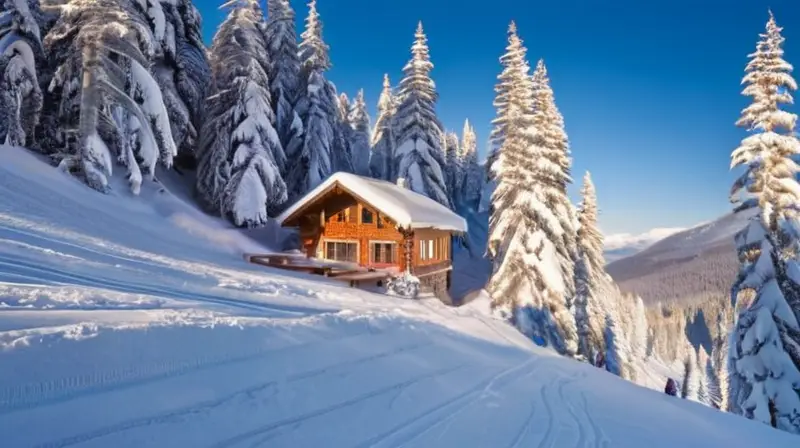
[{"x": 649, "y": 90}]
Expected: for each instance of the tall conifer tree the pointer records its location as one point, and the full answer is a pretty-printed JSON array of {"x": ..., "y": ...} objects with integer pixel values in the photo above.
[{"x": 419, "y": 156}]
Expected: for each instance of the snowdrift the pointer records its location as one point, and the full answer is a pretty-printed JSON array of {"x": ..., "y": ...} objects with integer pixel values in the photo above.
[{"x": 123, "y": 326}]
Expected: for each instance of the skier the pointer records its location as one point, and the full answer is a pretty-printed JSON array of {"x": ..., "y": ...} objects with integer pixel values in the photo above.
[
  {"x": 671, "y": 388},
  {"x": 600, "y": 360}
]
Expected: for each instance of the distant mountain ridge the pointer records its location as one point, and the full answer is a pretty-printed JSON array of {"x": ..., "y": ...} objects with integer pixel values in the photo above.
[
  {"x": 695, "y": 263},
  {"x": 621, "y": 245}
]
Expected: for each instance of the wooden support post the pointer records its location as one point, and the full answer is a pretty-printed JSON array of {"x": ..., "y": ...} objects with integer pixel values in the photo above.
[{"x": 408, "y": 243}]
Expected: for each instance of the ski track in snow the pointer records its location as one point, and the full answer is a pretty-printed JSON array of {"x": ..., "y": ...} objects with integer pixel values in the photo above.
[
  {"x": 398, "y": 387},
  {"x": 29, "y": 396},
  {"x": 60, "y": 243},
  {"x": 406, "y": 433},
  {"x": 16, "y": 270},
  {"x": 524, "y": 432},
  {"x": 197, "y": 408}
]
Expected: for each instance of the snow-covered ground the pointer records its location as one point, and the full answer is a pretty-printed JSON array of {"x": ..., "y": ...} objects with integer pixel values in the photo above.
[{"x": 131, "y": 322}]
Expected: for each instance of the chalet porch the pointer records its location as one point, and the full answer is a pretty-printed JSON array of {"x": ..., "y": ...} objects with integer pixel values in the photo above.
[{"x": 353, "y": 274}]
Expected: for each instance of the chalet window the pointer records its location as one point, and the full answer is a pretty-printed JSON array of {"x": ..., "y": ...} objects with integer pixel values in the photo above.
[
  {"x": 341, "y": 216},
  {"x": 383, "y": 253},
  {"x": 428, "y": 250},
  {"x": 366, "y": 216},
  {"x": 341, "y": 251}
]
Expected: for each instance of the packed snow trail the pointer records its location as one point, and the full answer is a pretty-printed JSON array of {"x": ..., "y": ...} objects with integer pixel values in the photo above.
[{"x": 131, "y": 322}]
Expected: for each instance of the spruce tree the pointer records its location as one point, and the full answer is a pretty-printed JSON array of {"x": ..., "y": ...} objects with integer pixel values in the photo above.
[
  {"x": 551, "y": 138},
  {"x": 639, "y": 331},
  {"x": 510, "y": 62},
  {"x": 704, "y": 388},
  {"x": 617, "y": 352},
  {"x": 589, "y": 274},
  {"x": 284, "y": 76},
  {"x": 383, "y": 139},
  {"x": 719, "y": 355},
  {"x": 317, "y": 107},
  {"x": 472, "y": 173},
  {"x": 343, "y": 107},
  {"x": 453, "y": 170},
  {"x": 690, "y": 386},
  {"x": 115, "y": 102},
  {"x": 181, "y": 68},
  {"x": 358, "y": 120},
  {"x": 765, "y": 361},
  {"x": 528, "y": 284},
  {"x": 21, "y": 98},
  {"x": 314, "y": 52},
  {"x": 419, "y": 157},
  {"x": 237, "y": 175},
  {"x": 343, "y": 135}
]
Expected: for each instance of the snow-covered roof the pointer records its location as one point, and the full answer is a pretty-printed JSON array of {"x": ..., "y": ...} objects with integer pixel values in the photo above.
[{"x": 403, "y": 206}]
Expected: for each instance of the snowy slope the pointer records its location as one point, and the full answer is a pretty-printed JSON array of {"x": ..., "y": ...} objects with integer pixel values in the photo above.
[{"x": 124, "y": 324}]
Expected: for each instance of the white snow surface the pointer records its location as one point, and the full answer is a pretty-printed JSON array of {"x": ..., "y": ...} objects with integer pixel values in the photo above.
[
  {"x": 405, "y": 207},
  {"x": 133, "y": 321}
]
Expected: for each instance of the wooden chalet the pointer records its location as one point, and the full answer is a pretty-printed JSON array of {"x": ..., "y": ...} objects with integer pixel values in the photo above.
[{"x": 377, "y": 224}]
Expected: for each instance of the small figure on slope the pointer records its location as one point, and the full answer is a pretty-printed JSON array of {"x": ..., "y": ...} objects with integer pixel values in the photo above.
[{"x": 671, "y": 388}]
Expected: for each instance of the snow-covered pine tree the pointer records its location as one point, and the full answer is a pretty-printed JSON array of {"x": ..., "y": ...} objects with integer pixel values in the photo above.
[
  {"x": 551, "y": 138},
  {"x": 419, "y": 157},
  {"x": 284, "y": 75},
  {"x": 313, "y": 163},
  {"x": 589, "y": 275},
  {"x": 690, "y": 386},
  {"x": 20, "y": 53},
  {"x": 101, "y": 51},
  {"x": 527, "y": 285},
  {"x": 704, "y": 388},
  {"x": 343, "y": 134},
  {"x": 714, "y": 391},
  {"x": 180, "y": 67},
  {"x": 343, "y": 108},
  {"x": 639, "y": 331},
  {"x": 358, "y": 120},
  {"x": 383, "y": 140},
  {"x": 453, "y": 170},
  {"x": 617, "y": 352},
  {"x": 765, "y": 342},
  {"x": 510, "y": 62},
  {"x": 473, "y": 174},
  {"x": 238, "y": 175},
  {"x": 314, "y": 52},
  {"x": 719, "y": 359},
  {"x": 317, "y": 107}
]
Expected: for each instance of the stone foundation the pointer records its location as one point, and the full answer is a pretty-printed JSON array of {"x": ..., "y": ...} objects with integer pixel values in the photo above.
[{"x": 439, "y": 284}]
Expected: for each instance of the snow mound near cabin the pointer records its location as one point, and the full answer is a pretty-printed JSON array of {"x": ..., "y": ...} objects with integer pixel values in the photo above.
[{"x": 122, "y": 328}]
